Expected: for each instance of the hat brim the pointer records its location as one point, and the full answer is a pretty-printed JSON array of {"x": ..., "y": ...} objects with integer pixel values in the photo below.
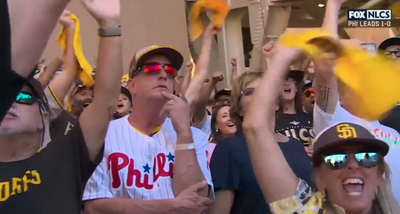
[
  {"x": 381, "y": 146},
  {"x": 38, "y": 91},
  {"x": 174, "y": 56},
  {"x": 127, "y": 93},
  {"x": 297, "y": 75},
  {"x": 221, "y": 93},
  {"x": 389, "y": 42}
]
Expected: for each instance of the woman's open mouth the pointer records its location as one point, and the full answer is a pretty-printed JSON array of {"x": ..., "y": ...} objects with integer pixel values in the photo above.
[
  {"x": 288, "y": 90},
  {"x": 230, "y": 124},
  {"x": 353, "y": 186}
]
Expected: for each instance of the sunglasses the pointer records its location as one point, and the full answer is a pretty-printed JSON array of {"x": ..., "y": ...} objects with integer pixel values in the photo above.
[
  {"x": 395, "y": 52},
  {"x": 339, "y": 160},
  {"x": 248, "y": 91},
  {"x": 223, "y": 102},
  {"x": 154, "y": 68},
  {"x": 308, "y": 92},
  {"x": 25, "y": 98}
]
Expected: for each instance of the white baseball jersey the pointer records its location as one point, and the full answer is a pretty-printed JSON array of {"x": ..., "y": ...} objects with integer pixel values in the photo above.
[
  {"x": 205, "y": 125},
  {"x": 140, "y": 167}
]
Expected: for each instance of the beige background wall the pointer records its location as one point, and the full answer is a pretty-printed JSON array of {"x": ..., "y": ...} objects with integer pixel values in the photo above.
[
  {"x": 367, "y": 35},
  {"x": 144, "y": 22}
]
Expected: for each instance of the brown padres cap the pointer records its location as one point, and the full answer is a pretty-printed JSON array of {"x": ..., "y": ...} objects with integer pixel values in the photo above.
[
  {"x": 346, "y": 133},
  {"x": 143, "y": 54}
]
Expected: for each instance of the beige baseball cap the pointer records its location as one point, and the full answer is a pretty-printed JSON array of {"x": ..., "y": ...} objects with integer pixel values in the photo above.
[{"x": 141, "y": 55}]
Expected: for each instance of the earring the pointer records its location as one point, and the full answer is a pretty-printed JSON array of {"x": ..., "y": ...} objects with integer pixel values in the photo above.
[{"x": 216, "y": 130}]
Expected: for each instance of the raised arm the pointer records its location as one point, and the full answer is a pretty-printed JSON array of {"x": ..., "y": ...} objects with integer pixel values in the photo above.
[
  {"x": 200, "y": 111},
  {"x": 234, "y": 73},
  {"x": 201, "y": 69},
  {"x": 21, "y": 50},
  {"x": 95, "y": 118},
  {"x": 63, "y": 82},
  {"x": 49, "y": 71},
  {"x": 32, "y": 23},
  {"x": 276, "y": 179},
  {"x": 325, "y": 83}
]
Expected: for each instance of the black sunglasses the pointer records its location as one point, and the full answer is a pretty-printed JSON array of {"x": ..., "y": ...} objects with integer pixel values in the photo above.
[
  {"x": 248, "y": 91},
  {"x": 395, "y": 52},
  {"x": 340, "y": 160},
  {"x": 223, "y": 102}
]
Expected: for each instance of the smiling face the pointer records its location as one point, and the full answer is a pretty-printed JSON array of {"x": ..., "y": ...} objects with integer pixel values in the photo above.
[
  {"x": 289, "y": 90},
  {"x": 81, "y": 99},
  {"x": 224, "y": 122},
  {"x": 352, "y": 186}
]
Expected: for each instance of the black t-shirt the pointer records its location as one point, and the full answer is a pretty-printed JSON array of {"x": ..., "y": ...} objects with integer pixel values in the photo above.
[
  {"x": 62, "y": 125},
  {"x": 393, "y": 120},
  {"x": 297, "y": 126},
  {"x": 231, "y": 170},
  {"x": 10, "y": 82},
  {"x": 51, "y": 181}
]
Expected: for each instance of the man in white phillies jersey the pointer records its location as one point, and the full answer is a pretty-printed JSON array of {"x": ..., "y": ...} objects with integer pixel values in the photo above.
[{"x": 147, "y": 156}]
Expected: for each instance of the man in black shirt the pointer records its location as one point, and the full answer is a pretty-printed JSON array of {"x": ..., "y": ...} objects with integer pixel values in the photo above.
[{"x": 52, "y": 179}]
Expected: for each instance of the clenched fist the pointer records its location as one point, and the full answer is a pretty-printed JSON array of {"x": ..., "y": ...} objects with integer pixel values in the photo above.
[{"x": 218, "y": 76}]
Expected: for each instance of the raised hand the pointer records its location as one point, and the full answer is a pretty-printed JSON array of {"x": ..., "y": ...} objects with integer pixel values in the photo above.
[
  {"x": 103, "y": 10},
  {"x": 64, "y": 19},
  {"x": 190, "y": 202},
  {"x": 285, "y": 53},
  {"x": 234, "y": 62},
  {"x": 189, "y": 67},
  {"x": 267, "y": 49},
  {"x": 218, "y": 76},
  {"x": 178, "y": 110},
  {"x": 211, "y": 30}
]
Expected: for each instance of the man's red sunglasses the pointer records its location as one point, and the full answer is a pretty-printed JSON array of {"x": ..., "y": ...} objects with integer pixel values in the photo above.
[
  {"x": 308, "y": 92},
  {"x": 153, "y": 68}
]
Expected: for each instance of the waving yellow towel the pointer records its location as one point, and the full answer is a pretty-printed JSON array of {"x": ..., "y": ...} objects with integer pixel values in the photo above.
[
  {"x": 371, "y": 79},
  {"x": 219, "y": 9},
  {"x": 86, "y": 74}
]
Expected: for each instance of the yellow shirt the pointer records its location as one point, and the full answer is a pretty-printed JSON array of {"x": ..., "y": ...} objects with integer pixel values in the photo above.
[{"x": 304, "y": 201}]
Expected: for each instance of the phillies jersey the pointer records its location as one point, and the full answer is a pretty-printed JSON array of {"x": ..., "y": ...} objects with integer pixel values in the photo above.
[{"x": 138, "y": 166}]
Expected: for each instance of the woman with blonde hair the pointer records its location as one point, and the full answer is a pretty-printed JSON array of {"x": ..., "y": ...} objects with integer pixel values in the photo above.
[
  {"x": 235, "y": 186},
  {"x": 350, "y": 172}
]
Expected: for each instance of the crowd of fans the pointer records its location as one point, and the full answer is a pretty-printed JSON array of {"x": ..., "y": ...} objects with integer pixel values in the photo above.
[{"x": 152, "y": 142}]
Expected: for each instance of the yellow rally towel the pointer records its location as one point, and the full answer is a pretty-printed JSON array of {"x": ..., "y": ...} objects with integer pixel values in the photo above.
[
  {"x": 371, "y": 78},
  {"x": 219, "y": 9},
  {"x": 395, "y": 9},
  {"x": 86, "y": 74}
]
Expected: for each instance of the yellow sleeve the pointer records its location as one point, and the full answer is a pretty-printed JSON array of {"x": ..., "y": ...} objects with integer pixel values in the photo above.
[{"x": 303, "y": 201}]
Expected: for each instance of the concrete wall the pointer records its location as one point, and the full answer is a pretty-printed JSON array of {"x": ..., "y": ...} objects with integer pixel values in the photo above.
[{"x": 144, "y": 22}]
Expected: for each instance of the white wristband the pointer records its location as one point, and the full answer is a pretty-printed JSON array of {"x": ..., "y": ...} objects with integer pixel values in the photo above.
[{"x": 185, "y": 146}]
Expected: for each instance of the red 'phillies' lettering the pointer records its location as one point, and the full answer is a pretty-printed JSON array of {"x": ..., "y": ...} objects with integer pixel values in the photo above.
[
  {"x": 208, "y": 162},
  {"x": 132, "y": 172},
  {"x": 115, "y": 167},
  {"x": 118, "y": 161},
  {"x": 160, "y": 162}
]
